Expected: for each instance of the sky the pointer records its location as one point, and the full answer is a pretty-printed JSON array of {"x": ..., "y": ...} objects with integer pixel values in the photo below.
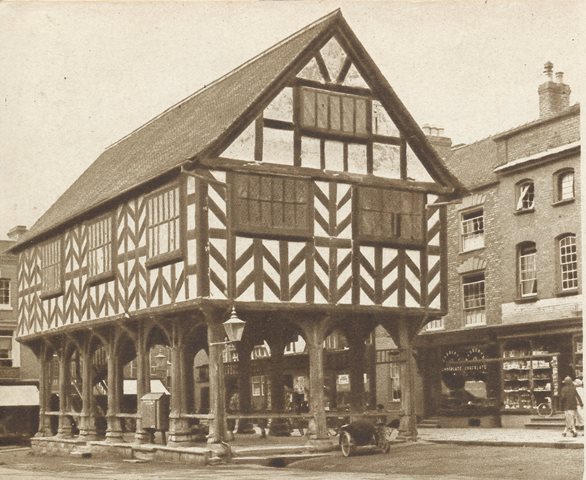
[{"x": 77, "y": 76}]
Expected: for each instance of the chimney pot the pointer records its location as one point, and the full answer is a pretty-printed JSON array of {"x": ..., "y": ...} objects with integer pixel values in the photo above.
[{"x": 554, "y": 97}]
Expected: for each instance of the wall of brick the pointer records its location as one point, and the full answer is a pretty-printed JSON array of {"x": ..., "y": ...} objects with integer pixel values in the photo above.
[
  {"x": 542, "y": 226},
  {"x": 505, "y": 229},
  {"x": 543, "y": 136}
]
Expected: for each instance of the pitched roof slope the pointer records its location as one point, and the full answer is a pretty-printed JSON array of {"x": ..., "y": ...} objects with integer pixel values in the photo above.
[
  {"x": 179, "y": 133},
  {"x": 195, "y": 126},
  {"x": 474, "y": 164}
]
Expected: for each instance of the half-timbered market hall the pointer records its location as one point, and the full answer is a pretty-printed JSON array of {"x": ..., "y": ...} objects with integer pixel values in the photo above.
[{"x": 297, "y": 194}]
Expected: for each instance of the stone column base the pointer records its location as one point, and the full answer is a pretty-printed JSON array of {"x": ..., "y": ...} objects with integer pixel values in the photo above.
[
  {"x": 143, "y": 437},
  {"x": 323, "y": 444}
]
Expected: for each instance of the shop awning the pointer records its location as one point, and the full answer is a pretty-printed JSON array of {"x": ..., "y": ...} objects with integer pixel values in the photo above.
[
  {"x": 157, "y": 386},
  {"x": 19, "y": 396}
]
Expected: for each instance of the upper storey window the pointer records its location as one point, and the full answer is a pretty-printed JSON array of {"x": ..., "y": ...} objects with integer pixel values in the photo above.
[
  {"x": 272, "y": 205},
  {"x": 472, "y": 227},
  {"x": 51, "y": 269},
  {"x": 527, "y": 269},
  {"x": 4, "y": 292},
  {"x": 100, "y": 250},
  {"x": 164, "y": 227},
  {"x": 568, "y": 262},
  {"x": 525, "y": 196},
  {"x": 390, "y": 216},
  {"x": 564, "y": 185},
  {"x": 339, "y": 113}
]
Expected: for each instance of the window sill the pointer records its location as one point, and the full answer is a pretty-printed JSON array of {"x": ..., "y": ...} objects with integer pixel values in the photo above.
[
  {"x": 567, "y": 293},
  {"x": 164, "y": 259},
  {"x": 462, "y": 252},
  {"x": 473, "y": 325},
  {"x": 563, "y": 202},
  {"x": 100, "y": 278},
  {"x": 524, "y": 211},
  {"x": 531, "y": 299},
  {"x": 46, "y": 295},
  {"x": 6, "y": 308}
]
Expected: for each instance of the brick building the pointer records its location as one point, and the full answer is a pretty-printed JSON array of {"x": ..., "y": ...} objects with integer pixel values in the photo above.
[
  {"x": 19, "y": 395},
  {"x": 514, "y": 329}
]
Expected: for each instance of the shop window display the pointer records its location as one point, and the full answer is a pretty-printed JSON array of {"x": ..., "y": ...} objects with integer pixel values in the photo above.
[
  {"x": 468, "y": 382},
  {"x": 530, "y": 374}
]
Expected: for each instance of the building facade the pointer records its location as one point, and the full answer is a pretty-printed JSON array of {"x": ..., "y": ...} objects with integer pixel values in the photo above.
[
  {"x": 296, "y": 190},
  {"x": 514, "y": 329},
  {"x": 19, "y": 396}
]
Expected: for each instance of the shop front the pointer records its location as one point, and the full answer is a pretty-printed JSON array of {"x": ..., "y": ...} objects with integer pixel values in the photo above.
[{"x": 499, "y": 379}]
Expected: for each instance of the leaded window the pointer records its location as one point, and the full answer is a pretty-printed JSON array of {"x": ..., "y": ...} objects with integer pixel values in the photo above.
[
  {"x": 164, "y": 226},
  {"x": 272, "y": 205},
  {"x": 390, "y": 216},
  {"x": 334, "y": 112},
  {"x": 100, "y": 251},
  {"x": 51, "y": 268}
]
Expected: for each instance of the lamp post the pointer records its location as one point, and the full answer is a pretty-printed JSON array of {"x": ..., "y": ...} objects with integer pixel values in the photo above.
[{"x": 234, "y": 328}]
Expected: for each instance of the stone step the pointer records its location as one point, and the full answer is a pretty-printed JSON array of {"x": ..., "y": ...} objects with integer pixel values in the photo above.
[
  {"x": 553, "y": 419},
  {"x": 81, "y": 452},
  {"x": 271, "y": 450},
  {"x": 277, "y": 460},
  {"x": 144, "y": 454},
  {"x": 546, "y": 425}
]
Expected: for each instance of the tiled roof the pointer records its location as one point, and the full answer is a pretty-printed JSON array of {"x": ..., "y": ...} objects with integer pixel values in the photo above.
[
  {"x": 195, "y": 126},
  {"x": 178, "y": 134},
  {"x": 474, "y": 164}
]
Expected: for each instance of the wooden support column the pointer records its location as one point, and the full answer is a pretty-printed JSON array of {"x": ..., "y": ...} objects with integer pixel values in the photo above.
[
  {"x": 143, "y": 382},
  {"x": 87, "y": 429},
  {"x": 64, "y": 430},
  {"x": 279, "y": 427},
  {"x": 218, "y": 427},
  {"x": 408, "y": 425},
  {"x": 44, "y": 392},
  {"x": 356, "y": 370},
  {"x": 114, "y": 431},
  {"x": 244, "y": 350},
  {"x": 317, "y": 405},
  {"x": 179, "y": 434}
]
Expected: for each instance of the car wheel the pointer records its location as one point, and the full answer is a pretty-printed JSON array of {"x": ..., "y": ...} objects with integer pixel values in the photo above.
[{"x": 346, "y": 444}]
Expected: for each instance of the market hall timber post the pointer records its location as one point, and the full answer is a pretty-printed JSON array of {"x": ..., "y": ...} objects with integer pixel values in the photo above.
[{"x": 297, "y": 189}]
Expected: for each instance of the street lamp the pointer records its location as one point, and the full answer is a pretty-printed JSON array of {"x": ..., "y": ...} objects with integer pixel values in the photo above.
[{"x": 234, "y": 327}]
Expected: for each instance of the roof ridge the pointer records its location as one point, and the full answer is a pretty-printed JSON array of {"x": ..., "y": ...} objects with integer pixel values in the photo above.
[{"x": 226, "y": 75}]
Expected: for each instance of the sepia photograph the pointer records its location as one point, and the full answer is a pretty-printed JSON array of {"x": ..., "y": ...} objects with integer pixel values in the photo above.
[{"x": 291, "y": 239}]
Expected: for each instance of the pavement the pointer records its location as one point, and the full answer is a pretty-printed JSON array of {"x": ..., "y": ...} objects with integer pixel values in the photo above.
[{"x": 502, "y": 437}]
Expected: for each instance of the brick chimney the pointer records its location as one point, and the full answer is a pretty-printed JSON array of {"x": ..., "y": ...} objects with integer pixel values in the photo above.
[
  {"x": 16, "y": 232},
  {"x": 440, "y": 143},
  {"x": 554, "y": 96}
]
